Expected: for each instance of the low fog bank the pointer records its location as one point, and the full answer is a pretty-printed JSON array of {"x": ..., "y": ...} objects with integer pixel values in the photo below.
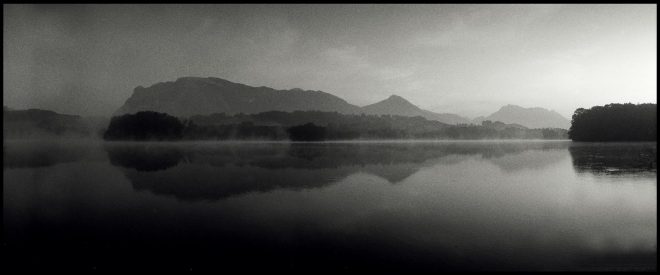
[{"x": 36, "y": 124}]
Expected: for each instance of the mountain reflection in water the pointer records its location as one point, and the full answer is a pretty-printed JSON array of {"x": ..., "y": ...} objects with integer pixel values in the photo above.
[
  {"x": 366, "y": 206},
  {"x": 216, "y": 171}
]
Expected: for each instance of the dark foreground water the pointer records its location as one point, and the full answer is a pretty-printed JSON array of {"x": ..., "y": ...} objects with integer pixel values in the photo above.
[{"x": 422, "y": 206}]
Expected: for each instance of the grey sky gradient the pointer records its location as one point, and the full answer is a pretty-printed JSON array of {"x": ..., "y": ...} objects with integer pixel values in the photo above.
[{"x": 464, "y": 59}]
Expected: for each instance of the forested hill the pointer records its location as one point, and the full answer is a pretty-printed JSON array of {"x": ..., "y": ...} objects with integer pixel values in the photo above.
[{"x": 615, "y": 122}]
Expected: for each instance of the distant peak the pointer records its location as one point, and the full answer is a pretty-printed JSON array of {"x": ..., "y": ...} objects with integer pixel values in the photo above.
[{"x": 397, "y": 99}]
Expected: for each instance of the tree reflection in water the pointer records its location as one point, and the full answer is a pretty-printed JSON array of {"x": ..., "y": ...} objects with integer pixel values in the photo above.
[
  {"x": 614, "y": 158},
  {"x": 192, "y": 172}
]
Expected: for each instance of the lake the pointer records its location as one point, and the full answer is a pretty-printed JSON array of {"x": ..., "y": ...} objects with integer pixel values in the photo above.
[{"x": 363, "y": 206}]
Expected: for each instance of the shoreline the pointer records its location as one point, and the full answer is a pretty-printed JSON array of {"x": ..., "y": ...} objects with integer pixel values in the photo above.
[
  {"x": 91, "y": 140},
  {"x": 354, "y": 141}
]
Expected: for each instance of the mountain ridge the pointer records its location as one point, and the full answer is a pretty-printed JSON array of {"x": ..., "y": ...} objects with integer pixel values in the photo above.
[
  {"x": 531, "y": 117},
  {"x": 189, "y": 95},
  {"x": 397, "y": 105}
]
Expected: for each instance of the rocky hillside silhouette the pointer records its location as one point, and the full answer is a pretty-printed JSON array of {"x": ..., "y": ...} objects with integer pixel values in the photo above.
[{"x": 188, "y": 96}]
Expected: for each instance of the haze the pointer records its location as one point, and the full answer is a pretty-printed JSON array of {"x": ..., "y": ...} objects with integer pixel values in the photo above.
[{"x": 463, "y": 59}]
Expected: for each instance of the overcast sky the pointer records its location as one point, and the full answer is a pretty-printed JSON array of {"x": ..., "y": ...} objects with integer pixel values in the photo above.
[{"x": 464, "y": 59}]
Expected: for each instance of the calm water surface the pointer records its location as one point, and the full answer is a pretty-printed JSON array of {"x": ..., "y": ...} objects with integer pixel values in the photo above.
[{"x": 410, "y": 206}]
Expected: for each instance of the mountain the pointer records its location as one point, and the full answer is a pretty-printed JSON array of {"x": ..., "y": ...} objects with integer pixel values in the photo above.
[
  {"x": 529, "y": 117},
  {"x": 396, "y": 105},
  {"x": 499, "y": 126},
  {"x": 189, "y": 96}
]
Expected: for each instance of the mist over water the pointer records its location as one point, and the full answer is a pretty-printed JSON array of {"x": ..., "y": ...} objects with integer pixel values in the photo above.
[
  {"x": 329, "y": 138},
  {"x": 369, "y": 206}
]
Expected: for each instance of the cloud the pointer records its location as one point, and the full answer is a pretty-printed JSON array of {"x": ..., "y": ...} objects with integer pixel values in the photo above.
[
  {"x": 455, "y": 56},
  {"x": 348, "y": 61}
]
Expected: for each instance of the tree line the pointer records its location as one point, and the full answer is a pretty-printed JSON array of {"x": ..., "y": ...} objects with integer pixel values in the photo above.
[
  {"x": 308, "y": 126},
  {"x": 615, "y": 122}
]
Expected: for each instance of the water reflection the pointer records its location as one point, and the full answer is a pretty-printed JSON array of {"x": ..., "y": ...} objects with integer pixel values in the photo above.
[
  {"x": 192, "y": 172},
  {"x": 614, "y": 158},
  {"x": 41, "y": 154},
  {"x": 145, "y": 158},
  {"x": 444, "y": 206}
]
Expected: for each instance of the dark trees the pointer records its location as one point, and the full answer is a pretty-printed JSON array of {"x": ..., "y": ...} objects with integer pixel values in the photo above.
[
  {"x": 235, "y": 131},
  {"x": 144, "y": 126},
  {"x": 306, "y": 132},
  {"x": 615, "y": 122},
  {"x": 308, "y": 126}
]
